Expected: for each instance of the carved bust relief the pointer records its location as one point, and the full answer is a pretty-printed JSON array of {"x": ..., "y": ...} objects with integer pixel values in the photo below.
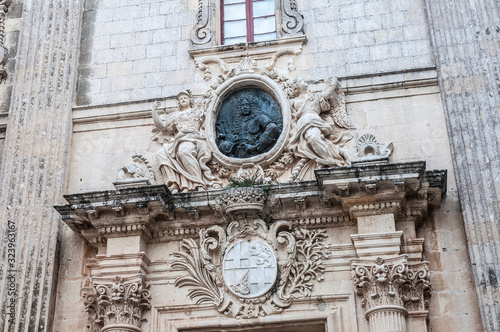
[
  {"x": 253, "y": 120},
  {"x": 248, "y": 123}
]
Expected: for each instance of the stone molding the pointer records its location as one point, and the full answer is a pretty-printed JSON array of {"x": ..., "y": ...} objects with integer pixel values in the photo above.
[
  {"x": 149, "y": 211},
  {"x": 117, "y": 305},
  {"x": 387, "y": 244}
]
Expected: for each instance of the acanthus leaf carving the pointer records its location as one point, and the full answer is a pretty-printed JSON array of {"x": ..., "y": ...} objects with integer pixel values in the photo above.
[
  {"x": 203, "y": 287},
  {"x": 417, "y": 290},
  {"x": 306, "y": 266},
  {"x": 392, "y": 283},
  {"x": 117, "y": 302}
]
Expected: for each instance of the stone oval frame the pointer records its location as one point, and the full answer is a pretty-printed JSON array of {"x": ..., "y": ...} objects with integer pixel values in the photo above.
[{"x": 242, "y": 82}]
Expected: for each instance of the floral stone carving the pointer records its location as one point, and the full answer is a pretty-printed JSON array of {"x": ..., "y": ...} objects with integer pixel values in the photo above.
[
  {"x": 224, "y": 268},
  {"x": 370, "y": 151},
  {"x": 117, "y": 306},
  {"x": 139, "y": 173}
]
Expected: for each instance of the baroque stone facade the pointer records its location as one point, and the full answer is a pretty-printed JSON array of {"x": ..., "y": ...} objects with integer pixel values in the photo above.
[{"x": 339, "y": 177}]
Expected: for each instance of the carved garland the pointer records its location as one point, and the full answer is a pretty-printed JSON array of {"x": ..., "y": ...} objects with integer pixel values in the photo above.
[{"x": 300, "y": 253}]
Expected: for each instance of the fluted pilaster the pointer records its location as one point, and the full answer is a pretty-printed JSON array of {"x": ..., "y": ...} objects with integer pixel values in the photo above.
[
  {"x": 466, "y": 37},
  {"x": 32, "y": 175}
]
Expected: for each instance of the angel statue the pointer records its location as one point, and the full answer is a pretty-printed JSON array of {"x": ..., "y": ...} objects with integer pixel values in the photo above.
[
  {"x": 316, "y": 138},
  {"x": 184, "y": 155}
]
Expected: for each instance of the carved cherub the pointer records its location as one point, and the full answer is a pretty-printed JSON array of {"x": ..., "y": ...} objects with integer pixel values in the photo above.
[{"x": 316, "y": 138}]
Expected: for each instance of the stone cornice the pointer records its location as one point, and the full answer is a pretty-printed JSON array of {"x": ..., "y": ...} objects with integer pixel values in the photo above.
[{"x": 338, "y": 197}]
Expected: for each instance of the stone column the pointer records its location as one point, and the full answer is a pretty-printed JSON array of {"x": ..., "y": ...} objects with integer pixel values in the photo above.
[
  {"x": 465, "y": 37},
  {"x": 32, "y": 176}
]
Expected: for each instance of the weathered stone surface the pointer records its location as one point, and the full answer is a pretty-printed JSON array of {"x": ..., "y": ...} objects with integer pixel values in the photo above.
[
  {"x": 465, "y": 41},
  {"x": 34, "y": 168}
]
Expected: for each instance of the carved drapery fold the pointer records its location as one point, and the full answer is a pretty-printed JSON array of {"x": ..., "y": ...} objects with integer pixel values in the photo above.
[
  {"x": 391, "y": 289},
  {"x": 117, "y": 306}
]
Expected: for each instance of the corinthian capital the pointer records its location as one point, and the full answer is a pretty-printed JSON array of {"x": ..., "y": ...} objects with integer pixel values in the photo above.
[
  {"x": 117, "y": 305},
  {"x": 392, "y": 282}
]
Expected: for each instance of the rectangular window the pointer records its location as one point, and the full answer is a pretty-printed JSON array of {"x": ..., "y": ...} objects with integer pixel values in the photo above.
[{"x": 247, "y": 21}]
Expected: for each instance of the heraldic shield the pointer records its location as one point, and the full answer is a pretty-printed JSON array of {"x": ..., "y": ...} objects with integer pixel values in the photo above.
[{"x": 249, "y": 269}]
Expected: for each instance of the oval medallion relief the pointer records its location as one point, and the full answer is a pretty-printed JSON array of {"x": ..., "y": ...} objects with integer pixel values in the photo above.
[{"x": 249, "y": 123}]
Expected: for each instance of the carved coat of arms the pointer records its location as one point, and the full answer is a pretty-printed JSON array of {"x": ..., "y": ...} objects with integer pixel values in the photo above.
[{"x": 248, "y": 270}]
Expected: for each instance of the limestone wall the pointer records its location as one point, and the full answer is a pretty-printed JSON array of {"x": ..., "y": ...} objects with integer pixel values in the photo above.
[{"x": 138, "y": 50}]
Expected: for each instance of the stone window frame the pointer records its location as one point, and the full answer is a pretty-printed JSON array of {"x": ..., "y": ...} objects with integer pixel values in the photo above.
[{"x": 206, "y": 31}]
